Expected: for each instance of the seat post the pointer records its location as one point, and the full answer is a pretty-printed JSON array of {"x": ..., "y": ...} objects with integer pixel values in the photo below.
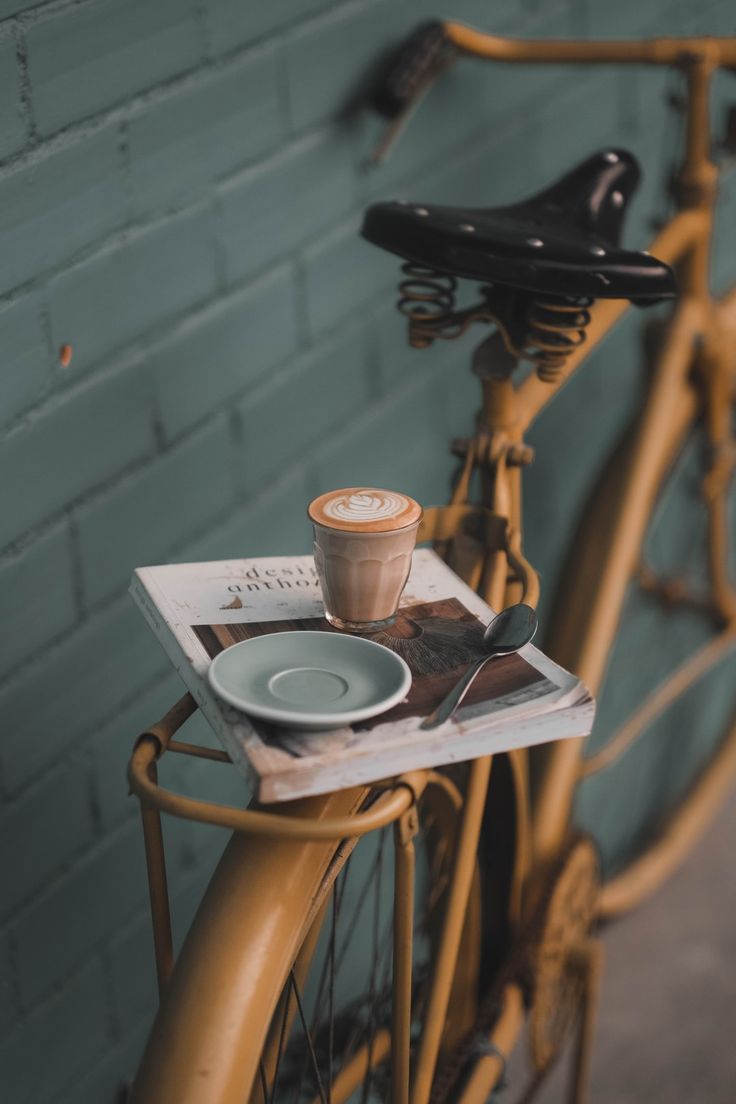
[
  {"x": 494, "y": 366},
  {"x": 499, "y": 448}
]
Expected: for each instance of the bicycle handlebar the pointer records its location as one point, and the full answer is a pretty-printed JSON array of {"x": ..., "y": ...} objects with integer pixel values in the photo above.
[
  {"x": 719, "y": 52},
  {"x": 433, "y": 46}
]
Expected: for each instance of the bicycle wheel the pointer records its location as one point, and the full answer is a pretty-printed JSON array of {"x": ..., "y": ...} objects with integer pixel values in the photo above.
[
  {"x": 294, "y": 1003},
  {"x": 667, "y": 615}
]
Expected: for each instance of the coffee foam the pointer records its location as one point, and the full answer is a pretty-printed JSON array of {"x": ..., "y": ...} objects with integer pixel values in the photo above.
[{"x": 367, "y": 509}]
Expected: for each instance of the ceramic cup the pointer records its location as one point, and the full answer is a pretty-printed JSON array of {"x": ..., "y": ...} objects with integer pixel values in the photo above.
[{"x": 363, "y": 541}]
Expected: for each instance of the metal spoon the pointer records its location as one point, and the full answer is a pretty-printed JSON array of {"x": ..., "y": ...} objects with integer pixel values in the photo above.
[{"x": 510, "y": 630}]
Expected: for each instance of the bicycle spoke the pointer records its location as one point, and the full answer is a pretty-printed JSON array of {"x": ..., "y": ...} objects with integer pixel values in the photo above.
[
  {"x": 357, "y": 911},
  {"x": 373, "y": 968},
  {"x": 310, "y": 1044},
  {"x": 264, "y": 1083},
  {"x": 282, "y": 1034},
  {"x": 338, "y": 893},
  {"x": 331, "y": 1011},
  {"x": 336, "y": 1045}
]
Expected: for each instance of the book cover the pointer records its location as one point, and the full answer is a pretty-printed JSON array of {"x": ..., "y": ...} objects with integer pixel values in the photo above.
[{"x": 196, "y": 610}]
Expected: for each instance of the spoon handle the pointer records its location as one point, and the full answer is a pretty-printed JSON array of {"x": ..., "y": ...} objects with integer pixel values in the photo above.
[{"x": 452, "y": 700}]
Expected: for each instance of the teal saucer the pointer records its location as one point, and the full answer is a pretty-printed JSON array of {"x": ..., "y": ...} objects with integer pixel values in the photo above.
[{"x": 310, "y": 680}]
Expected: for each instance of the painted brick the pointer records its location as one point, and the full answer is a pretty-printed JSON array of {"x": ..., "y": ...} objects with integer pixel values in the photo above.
[
  {"x": 399, "y": 442},
  {"x": 329, "y": 58},
  {"x": 25, "y": 374},
  {"x": 198, "y": 847},
  {"x": 276, "y": 206},
  {"x": 569, "y": 456},
  {"x": 118, "y": 294},
  {"x": 132, "y": 956},
  {"x": 396, "y": 360},
  {"x": 300, "y": 406},
  {"x": 57, "y": 1042},
  {"x": 12, "y": 7},
  {"x": 724, "y": 238},
  {"x": 582, "y": 118},
  {"x": 445, "y": 364},
  {"x": 111, "y": 747},
  {"x": 85, "y": 60},
  {"x": 12, "y": 127},
  {"x": 8, "y": 1010},
  {"x": 470, "y": 136},
  {"x": 218, "y": 352},
  {"x": 63, "y": 927},
  {"x": 649, "y": 128},
  {"x": 186, "y": 142},
  {"x": 188, "y": 844},
  {"x": 341, "y": 274},
  {"x": 203, "y": 844},
  {"x": 36, "y": 597},
  {"x": 107, "y": 1080},
  {"x": 52, "y": 207},
  {"x": 720, "y": 19},
  {"x": 604, "y": 21},
  {"x": 83, "y": 682},
  {"x": 77, "y": 444},
  {"x": 153, "y": 512},
  {"x": 231, "y": 23},
  {"x": 273, "y": 524},
  {"x": 54, "y": 820},
  {"x": 485, "y": 172}
]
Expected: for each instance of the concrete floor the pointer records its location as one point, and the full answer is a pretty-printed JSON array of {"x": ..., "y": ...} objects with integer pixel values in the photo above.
[{"x": 667, "y": 1023}]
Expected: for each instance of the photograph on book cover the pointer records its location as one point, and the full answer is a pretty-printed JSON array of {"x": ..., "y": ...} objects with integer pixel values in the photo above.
[
  {"x": 438, "y": 640},
  {"x": 197, "y": 610}
]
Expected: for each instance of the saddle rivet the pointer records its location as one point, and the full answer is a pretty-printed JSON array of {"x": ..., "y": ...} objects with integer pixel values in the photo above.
[
  {"x": 617, "y": 199},
  {"x": 597, "y": 251},
  {"x": 467, "y": 227},
  {"x": 536, "y": 242},
  {"x": 422, "y": 211}
]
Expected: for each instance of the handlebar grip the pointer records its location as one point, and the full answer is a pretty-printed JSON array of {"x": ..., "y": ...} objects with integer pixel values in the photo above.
[{"x": 417, "y": 60}]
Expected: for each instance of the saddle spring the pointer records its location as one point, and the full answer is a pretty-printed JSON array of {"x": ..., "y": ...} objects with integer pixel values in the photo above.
[
  {"x": 542, "y": 331},
  {"x": 554, "y": 329},
  {"x": 426, "y": 296}
]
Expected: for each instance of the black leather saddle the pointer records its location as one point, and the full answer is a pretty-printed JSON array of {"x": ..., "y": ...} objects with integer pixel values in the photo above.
[{"x": 563, "y": 241}]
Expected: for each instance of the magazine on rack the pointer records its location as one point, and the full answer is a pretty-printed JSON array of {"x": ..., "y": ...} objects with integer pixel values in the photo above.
[{"x": 198, "y": 609}]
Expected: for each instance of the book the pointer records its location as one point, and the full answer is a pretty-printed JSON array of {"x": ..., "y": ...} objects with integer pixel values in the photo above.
[{"x": 198, "y": 609}]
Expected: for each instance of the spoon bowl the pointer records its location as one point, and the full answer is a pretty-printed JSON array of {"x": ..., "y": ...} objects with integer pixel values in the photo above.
[{"x": 510, "y": 630}]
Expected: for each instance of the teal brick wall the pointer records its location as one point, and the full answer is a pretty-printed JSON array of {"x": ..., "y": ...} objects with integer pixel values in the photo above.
[{"x": 181, "y": 184}]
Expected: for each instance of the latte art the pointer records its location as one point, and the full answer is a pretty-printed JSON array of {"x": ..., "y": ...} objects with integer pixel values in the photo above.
[
  {"x": 366, "y": 510},
  {"x": 365, "y": 507}
]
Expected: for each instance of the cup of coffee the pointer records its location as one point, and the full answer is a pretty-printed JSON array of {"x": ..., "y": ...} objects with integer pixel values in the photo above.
[{"x": 363, "y": 541}]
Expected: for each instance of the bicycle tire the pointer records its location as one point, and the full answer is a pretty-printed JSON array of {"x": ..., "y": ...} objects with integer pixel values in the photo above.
[
  {"x": 664, "y": 773},
  {"x": 189, "y": 1058},
  {"x": 216, "y": 1058}
]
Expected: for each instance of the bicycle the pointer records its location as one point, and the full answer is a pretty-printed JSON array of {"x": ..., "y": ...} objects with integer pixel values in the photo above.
[{"x": 501, "y": 929}]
